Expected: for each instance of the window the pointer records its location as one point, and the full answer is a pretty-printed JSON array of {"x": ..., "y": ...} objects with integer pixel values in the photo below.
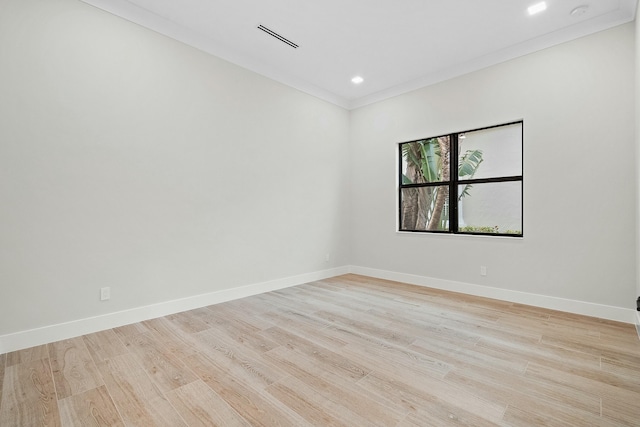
[{"x": 464, "y": 183}]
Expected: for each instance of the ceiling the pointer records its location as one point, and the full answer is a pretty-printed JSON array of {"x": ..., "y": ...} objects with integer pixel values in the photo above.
[{"x": 395, "y": 45}]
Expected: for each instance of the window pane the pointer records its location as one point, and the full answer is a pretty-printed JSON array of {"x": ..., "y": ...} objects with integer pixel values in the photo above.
[
  {"x": 424, "y": 208},
  {"x": 425, "y": 161},
  {"x": 490, "y": 153},
  {"x": 490, "y": 208}
]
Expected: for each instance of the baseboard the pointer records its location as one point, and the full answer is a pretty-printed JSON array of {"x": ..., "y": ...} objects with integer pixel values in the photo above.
[
  {"x": 554, "y": 303},
  {"x": 47, "y": 334}
]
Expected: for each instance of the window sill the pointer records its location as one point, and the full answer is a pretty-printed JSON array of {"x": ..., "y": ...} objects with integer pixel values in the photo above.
[{"x": 459, "y": 235}]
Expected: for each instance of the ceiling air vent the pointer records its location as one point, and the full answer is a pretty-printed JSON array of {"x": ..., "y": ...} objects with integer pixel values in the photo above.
[{"x": 278, "y": 36}]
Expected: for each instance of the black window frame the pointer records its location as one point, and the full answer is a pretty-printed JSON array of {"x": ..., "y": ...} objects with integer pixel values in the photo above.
[{"x": 454, "y": 182}]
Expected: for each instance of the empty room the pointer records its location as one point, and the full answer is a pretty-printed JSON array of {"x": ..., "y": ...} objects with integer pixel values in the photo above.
[{"x": 319, "y": 213}]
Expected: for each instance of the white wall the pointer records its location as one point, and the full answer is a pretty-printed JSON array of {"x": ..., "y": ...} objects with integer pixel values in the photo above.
[
  {"x": 577, "y": 107},
  {"x": 637, "y": 123},
  {"x": 132, "y": 161}
]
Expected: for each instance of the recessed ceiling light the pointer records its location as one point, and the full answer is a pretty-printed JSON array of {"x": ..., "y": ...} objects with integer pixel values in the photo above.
[
  {"x": 357, "y": 80},
  {"x": 537, "y": 8}
]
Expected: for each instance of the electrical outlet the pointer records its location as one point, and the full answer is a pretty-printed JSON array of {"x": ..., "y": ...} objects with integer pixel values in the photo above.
[
  {"x": 483, "y": 270},
  {"x": 105, "y": 293},
  {"x": 326, "y": 258}
]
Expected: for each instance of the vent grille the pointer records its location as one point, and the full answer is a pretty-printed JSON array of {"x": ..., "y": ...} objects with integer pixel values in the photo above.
[{"x": 277, "y": 36}]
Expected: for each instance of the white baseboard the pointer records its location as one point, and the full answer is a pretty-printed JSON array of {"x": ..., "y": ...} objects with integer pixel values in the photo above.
[
  {"x": 47, "y": 334},
  {"x": 554, "y": 303},
  {"x": 61, "y": 331}
]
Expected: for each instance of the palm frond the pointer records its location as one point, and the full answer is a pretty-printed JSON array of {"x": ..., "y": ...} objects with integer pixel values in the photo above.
[
  {"x": 468, "y": 166},
  {"x": 469, "y": 163}
]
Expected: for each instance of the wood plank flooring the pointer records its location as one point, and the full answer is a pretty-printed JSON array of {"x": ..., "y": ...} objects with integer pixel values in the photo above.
[{"x": 347, "y": 351}]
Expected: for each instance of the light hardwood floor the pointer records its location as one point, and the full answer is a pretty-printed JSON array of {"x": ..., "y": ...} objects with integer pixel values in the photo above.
[{"x": 348, "y": 351}]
